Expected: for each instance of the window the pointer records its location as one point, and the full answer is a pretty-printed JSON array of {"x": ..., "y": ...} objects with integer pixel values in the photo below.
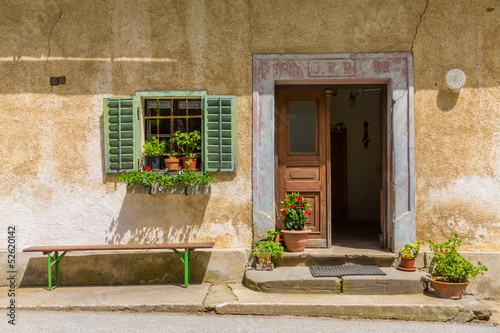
[
  {"x": 129, "y": 121},
  {"x": 163, "y": 117}
]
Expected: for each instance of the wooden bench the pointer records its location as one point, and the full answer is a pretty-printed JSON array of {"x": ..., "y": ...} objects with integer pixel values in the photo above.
[{"x": 56, "y": 258}]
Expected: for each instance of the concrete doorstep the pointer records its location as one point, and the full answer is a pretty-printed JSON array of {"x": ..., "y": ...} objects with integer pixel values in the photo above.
[
  {"x": 300, "y": 280},
  {"x": 235, "y": 299}
]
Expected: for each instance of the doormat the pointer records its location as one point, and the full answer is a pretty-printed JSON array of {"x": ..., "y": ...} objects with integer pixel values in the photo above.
[{"x": 339, "y": 271}]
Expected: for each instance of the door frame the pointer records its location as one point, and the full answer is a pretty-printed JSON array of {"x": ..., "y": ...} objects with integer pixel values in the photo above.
[{"x": 394, "y": 70}]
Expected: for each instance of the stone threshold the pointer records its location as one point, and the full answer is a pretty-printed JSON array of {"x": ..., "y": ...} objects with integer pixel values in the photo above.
[{"x": 299, "y": 279}]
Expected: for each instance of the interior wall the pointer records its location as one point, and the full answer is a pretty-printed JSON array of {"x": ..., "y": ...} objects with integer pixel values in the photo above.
[{"x": 363, "y": 164}]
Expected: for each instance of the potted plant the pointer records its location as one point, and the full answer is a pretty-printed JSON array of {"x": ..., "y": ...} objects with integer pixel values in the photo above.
[
  {"x": 153, "y": 150},
  {"x": 450, "y": 271},
  {"x": 172, "y": 162},
  {"x": 408, "y": 254},
  {"x": 295, "y": 212},
  {"x": 267, "y": 249},
  {"x": 189, "y": 144}
]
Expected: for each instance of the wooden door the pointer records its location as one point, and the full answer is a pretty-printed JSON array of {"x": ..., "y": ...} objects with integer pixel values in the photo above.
[{"x": 303, "y": 143}]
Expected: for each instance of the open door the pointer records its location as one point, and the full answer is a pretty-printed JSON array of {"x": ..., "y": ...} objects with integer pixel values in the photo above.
[{"x": 303, "y": 125}]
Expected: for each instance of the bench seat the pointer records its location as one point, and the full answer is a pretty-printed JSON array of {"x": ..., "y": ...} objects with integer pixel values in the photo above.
[{"x": 56, "y": 258}]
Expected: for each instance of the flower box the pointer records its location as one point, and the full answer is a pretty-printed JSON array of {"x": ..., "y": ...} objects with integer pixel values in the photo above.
[{"x": 204, "y": 189}]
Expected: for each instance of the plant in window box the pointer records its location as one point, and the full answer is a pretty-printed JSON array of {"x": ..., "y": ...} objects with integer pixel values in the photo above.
[
  {"x": 153, "y": 150},
  {"x": 450, "y": 271},
  {"x": 150, "y": 178},
  {"x": 267, "y": 249},
  {"x": 192, "y": 177},
  {"x": 295, "y": 212},
  {"x": 189, "y": 144}
]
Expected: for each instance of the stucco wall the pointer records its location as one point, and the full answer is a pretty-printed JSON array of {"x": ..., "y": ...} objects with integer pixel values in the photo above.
[{"x": 53, "y": 187}]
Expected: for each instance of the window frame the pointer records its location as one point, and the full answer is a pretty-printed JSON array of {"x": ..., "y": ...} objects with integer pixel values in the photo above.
[
  {"x": 140, "y": 98},
  {"x": 218, "y": 130}
]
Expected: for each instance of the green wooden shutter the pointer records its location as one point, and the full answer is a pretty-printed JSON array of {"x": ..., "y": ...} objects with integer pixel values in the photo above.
[
  {"x": 121, "y": 135},
  {"x": 219, "y": 134}
]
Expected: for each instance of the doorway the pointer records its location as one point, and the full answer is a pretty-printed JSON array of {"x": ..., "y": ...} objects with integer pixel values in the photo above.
[
  {"x": 330, "y": 148},
  {"x": 392, "y": 70},
  {"x": 357, "y": 166}
]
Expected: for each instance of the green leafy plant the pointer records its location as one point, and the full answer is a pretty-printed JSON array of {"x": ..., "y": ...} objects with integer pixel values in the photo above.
[
  {"x": 269, "y": 246},
  {"x": 188, "y": 143},
  {"x": 153, "y": 147},
  {"x": 449, "y": 265},
  {"x": 295, "y": 211},
  {"x": 149, "y": 177},
  {"x": 171, "y": 153},
  {"x": 192, "y": 177},
  {"x": 410, "y": 250}
]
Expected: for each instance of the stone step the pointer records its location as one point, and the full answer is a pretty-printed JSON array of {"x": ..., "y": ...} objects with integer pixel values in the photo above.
[
  {"x": 329, "y": 257},
  {"x": 284, "y": 280}
]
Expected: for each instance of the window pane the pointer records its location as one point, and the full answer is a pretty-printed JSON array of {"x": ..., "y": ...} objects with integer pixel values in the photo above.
[
  {"x": 194, "y": 124},
  {"x": 180, "y": 125},
  {"x": 302, "y": 118},
  {"x": 164, "y": 107},
  {"x": 180, "y": 109},
  {"x": 164, "y": 126},
  {"x": 151, "y": 127},
  {"x": 194, "y": 112}
]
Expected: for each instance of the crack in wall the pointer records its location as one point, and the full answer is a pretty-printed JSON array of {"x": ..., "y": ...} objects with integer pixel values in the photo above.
[
  {"x": 50, "y": 36},
  {"x": 418, "y": 25},
  {"x": 250, "y": 27}
]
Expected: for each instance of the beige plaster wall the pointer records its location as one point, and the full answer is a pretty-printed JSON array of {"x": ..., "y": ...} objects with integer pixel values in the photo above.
[{"x": 52, "y": 182}]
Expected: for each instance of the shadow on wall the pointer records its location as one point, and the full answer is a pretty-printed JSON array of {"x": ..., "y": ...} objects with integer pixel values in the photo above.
[
  {"x": 148, "y": 219},
  {"x": 446, "y": 99},
  {"x": 143, "y": 219}
]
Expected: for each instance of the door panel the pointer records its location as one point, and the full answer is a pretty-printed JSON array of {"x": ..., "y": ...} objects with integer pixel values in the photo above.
[
  {"x": 302, "y": 174},
  {"x": 303, "y": 128},
  {"x": 313, "y": 221}
]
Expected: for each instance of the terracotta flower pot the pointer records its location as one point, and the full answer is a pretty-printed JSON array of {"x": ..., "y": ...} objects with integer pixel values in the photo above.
[
  {"x": 172, "y": 164},
  {"x": 295, "y": 240},
  {"x": 189, "y": 163},
  {"x": 408, "y": 263},
  {"x": 448, "y": 289}
]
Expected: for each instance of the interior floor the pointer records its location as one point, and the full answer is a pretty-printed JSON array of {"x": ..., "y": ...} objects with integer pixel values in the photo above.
[{"x": 359, "y": 235}]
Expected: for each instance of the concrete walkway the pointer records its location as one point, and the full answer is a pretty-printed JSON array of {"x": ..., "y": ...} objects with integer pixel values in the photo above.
[{"x": 237, "y": 299}]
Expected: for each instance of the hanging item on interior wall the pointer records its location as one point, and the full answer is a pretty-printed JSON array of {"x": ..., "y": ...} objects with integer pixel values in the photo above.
[
  {"x": 352, "y": 99},
  {"x": 366, "y": 138}
]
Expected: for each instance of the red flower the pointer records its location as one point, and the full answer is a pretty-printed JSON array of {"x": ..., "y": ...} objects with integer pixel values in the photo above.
[
  {"x": 301, "y": 206},
  {"x": 291, "y": 207},
  {"x": 283, "y": 212},
  {"x": 299, "y": 198},
  {"x": 442, "y": 251},
  {"x": 148, "y": 168}
]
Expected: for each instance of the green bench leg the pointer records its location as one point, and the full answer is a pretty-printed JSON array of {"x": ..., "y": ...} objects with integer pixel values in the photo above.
[
  {"x": 51, "y": 262},
  {"x": 185, "y": 260},
  {"x": 50, "y": 271},
  {"x": 187, "y": 273}
]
